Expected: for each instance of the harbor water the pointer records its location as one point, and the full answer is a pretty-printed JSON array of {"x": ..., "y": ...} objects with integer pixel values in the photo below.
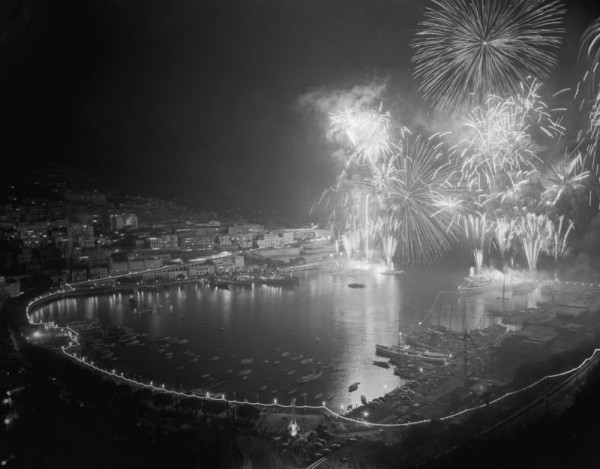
[{"x": 282, "y": 334}]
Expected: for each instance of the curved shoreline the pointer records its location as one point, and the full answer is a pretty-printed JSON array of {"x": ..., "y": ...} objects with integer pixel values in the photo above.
[{"x": 53, "y": 296}]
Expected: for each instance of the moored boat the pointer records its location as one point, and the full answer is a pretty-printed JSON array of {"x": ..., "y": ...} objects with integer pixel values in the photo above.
[
  {"x": 310, "y": 377},
  {"x": 381, "y": 364},
  {"x": 477, "y": 283},
  {"x": 353, "y": 387},
  {"x": 405, "y": 352}
]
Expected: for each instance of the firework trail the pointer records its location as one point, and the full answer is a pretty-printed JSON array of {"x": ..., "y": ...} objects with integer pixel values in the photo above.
[
  {"x": 565, "y": 179},
  {"x": 557, "y": 246},
  {"x": 389, "y": 244},
  {"x": 503, "y": 231},
  {"x": 467, "y": 50},
  {"x": 534, "y": 233},
  {"x": 476, "y": 230},
  {"x": 366, "y": 130}
]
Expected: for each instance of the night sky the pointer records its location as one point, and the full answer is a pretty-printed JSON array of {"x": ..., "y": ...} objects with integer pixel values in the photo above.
[{"x": 198, "y": 99}]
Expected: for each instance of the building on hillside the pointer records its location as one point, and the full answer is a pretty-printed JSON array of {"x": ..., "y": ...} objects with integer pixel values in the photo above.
[
  {"x": 196, "y": 271},
  {"x": 283, "y": 253},
  {"x": 95, "y": 257},
  {"x": 228, "y": 264},
  {"x": 80, "y": 229},
  {"x": 119, "y": 221},
  {"x": 268, "y": 240},
  {"x": 164, "y": 242},
  {"x": 85, "y": 197},
  {"x": 78, "y": 275},
  {"x": 98, "y": 273},
  {"x": 9, "y": 287}
]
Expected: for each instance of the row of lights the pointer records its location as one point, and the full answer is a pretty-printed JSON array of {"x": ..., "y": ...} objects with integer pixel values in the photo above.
[{"x": 365, "y": 414}]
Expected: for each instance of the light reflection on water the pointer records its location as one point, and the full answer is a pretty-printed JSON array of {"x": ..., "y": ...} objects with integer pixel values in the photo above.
[{"x": 321, "y": 319}]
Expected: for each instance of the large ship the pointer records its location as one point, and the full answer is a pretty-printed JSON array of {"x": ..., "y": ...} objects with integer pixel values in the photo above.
[
  {"x": 405, "y": 352},
  {"x": 477, "y": 283}
]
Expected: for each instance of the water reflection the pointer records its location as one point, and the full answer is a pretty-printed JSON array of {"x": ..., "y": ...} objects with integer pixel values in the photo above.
[{"x": 321, "y": 319}]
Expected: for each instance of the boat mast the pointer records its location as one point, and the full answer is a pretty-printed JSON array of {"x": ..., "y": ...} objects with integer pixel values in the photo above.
[{"x": 466, "y": 359}]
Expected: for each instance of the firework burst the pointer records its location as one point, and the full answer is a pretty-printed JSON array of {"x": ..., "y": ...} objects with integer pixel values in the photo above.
[
  {"x": 497, "y": 154},
  {"x": 467, "y": 50},
  {"x": 564, "y": 180},
  {"x": 412, "y": 202},
  {"x": 366, "y": 130}
]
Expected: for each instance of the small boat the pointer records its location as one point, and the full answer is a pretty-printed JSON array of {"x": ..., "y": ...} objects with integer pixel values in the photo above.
[
  {"x": 229, "y": 371},
  {"x": 246, "y": 361},
  {"x": 391, "y": 272},
  {"x": 353, "y": 387},
  {"x": 306, "y": 361},
  {"x": 263, "y": 387},
  {"x": 285, "y": 354},
  {"x": 221, "y": 328},
  {"x": 292, "y": 392},
  {"x": 310, "y": 377},
  {"x": 245, "y": 372},
  {"x": 216, "y": 357},
  {"x": 291, "y": 372},
  {"x": 318, "y": 396},
  {"x": 297, "y": 357},
  {"x": 205, "y": 376},
  {"x": 276, "y": 362},
  {"x": 380, "y": 363},
  {"x": 356, "y": 285}
]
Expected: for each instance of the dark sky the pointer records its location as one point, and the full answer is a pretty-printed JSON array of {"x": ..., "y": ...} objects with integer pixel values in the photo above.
[{"x": 196, "y": 98}]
